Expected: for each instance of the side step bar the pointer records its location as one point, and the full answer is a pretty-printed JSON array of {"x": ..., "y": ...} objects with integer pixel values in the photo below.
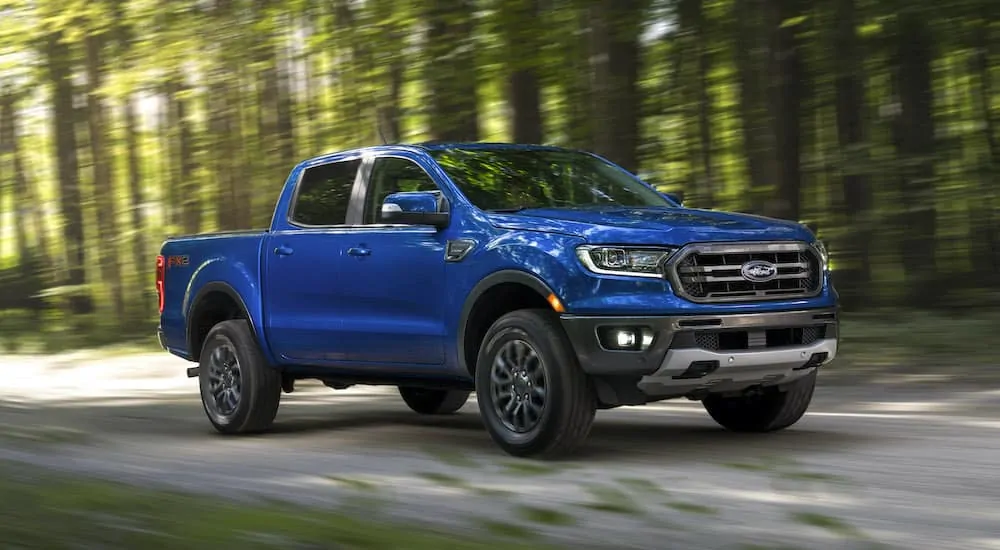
[{"x": 193, "y": 372}]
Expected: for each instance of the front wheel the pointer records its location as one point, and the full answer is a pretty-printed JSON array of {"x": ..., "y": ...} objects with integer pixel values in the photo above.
[
  {"x": 769, "y": 410},
  {"x": 427, "y": 401},
  {"x": 240, "y": 392},
  {"x": 533, "y": 397}
]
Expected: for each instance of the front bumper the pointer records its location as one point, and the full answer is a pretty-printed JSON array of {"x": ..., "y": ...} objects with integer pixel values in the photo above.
[{"x": 713, "y": 352}]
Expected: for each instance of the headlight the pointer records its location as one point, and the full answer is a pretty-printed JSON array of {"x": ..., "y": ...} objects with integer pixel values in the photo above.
[
  {"x": 824, "y": 256},
  {"x": 619, "y": 260}
]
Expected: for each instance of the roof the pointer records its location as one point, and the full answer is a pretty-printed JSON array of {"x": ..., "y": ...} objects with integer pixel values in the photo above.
[
  {"x": 428, "y": 146},
  {"x": 439, "y": 145}
]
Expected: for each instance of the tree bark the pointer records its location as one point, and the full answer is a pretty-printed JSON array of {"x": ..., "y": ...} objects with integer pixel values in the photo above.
[
  {"x": 59, "y": 68},
  {"x": 519, "y": 20},
  {"x": 450, "y": 71},
  {"x": 984, "y": 226},
  {"x": 914, "y": 137},
  {"x": 616, "y": 27},
  {"x": 104, "y": 192},
  {"x": 853, "y": 253},
  {"x": 786, "y": 106}
]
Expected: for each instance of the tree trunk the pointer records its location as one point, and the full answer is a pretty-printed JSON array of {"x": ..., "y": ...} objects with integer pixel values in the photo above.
[
  {"x": 697, "y": 100},
  {"x": 107, "y": 227},
  {"x": 389, "y": 115},
  {"x": 786, "y": 107},
  {"x": 578, "y": 82},
  {"x": 752, "y": 66},
  {"x": 23, "y": 225},
  {"x": 519, "y": 22},
  {"x": 191, "y": 202},
  {"x": 854, "y": 270},
  {"x": 285, "y": 123},
  {"x": 59, "y": 68},
  {"x": 267, "y": 116},
  {"x": 984, "y": 223},
  {"x": 450, "y": 71},
  {"x": 137, "y": 201},
  {"x": 915, "y": 147},
  {"x": 616, "y": 25}
]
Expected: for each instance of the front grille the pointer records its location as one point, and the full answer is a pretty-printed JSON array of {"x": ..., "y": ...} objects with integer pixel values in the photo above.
[{"x": 714, "y": 272}]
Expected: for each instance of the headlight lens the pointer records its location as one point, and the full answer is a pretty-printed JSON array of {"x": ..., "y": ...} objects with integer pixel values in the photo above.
[
  {"x": 619, "y": 260},
  {"x": 824, "y": 256}
]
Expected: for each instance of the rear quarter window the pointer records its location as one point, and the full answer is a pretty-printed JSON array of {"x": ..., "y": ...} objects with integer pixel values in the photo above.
[{"x": 324, "y": 193}]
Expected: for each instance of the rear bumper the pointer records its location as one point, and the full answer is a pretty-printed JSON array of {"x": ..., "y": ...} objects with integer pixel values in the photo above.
[{"x": 716, "y": 352}]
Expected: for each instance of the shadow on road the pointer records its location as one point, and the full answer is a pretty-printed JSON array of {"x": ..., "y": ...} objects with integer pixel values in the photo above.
[{"x": 382, "y": 423}]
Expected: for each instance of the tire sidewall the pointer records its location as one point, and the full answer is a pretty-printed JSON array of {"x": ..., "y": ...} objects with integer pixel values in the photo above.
[
  {"x": 220, "y": 335},
  {"x": 519, "y": 326}
]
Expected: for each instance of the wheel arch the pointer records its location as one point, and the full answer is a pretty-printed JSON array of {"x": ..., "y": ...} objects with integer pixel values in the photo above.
[
  {"x": 214, "y": 303},
  {"x": 520, "y": 290}
]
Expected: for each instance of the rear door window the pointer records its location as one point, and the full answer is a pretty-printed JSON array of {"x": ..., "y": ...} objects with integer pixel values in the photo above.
[{"x": 324, "y": 194}]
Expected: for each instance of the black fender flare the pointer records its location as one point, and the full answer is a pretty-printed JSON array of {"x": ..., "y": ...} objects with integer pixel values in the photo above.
[
  {"x": 198, "y": 301},
  {"x": 497, "y": 278}
]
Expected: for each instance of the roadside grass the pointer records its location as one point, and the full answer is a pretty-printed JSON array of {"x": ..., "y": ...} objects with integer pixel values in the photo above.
[
  {"x": 531, "y": 468},
  {"x": 916, "y": 342},
  {"x": 45, "y": 510},
  {"x": 545, "y": 516},
  {"x": 612, "y": 500},
  {"x": 445, "y": 480},
  {"x": 693, "y": 508},
  {"x": 828, "y": 523},
  {"x": 451, "y": 457},
  {"x": 42, "y": 435}
]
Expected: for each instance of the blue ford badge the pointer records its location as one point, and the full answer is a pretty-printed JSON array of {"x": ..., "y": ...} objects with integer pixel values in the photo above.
[{"x": 759, "y": 271}]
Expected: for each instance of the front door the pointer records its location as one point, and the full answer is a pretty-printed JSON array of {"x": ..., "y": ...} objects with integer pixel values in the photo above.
[{"x": 393, "y": 287}]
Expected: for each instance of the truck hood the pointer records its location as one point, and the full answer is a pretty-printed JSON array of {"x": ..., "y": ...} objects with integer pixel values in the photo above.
[{"x": 651, "y": 225}]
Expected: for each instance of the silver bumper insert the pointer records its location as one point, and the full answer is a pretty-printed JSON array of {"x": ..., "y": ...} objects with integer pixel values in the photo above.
[{"x": 736, "y": 369}]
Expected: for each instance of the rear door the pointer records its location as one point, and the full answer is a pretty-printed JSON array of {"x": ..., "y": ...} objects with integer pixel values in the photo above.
[
  {"x": 304, "y": 266},
  {"x": 393, "y": 294}
]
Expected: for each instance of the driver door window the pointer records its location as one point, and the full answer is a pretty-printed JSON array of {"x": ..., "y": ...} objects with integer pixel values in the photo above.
[{"x": 393, "y": 175}]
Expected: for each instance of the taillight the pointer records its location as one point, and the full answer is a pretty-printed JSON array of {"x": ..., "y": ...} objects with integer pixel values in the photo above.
[{"x": 160, "y": 272}]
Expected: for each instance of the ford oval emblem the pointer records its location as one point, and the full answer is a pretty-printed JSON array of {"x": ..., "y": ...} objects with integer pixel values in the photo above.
[{"x": 759, "y": 271}]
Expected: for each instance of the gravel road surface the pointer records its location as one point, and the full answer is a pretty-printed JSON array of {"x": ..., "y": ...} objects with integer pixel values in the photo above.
[{"x": 880, "y": 466}]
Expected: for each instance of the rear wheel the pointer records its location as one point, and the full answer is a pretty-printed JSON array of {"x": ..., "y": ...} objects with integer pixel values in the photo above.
[
  {"x": 428, "y": 401},
  {"x": 533, "y": 397},
  {"x": 769, "y": 410},
  {"x": 240, "y": 392}
]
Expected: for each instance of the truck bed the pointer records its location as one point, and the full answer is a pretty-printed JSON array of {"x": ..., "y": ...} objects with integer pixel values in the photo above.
[{"x": 192, "y": 261}]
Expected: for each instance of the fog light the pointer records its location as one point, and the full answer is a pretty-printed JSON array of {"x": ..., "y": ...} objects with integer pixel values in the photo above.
[{"x": 625, "y": 338}]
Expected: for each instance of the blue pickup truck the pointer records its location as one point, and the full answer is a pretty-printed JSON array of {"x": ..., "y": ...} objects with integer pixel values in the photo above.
[{"x": 550, "y": 282}]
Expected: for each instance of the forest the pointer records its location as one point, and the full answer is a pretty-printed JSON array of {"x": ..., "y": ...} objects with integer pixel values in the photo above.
[{"x": 126, "y": 121}]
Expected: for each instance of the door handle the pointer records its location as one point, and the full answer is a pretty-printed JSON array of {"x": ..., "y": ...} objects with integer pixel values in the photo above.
[
  {"x": 355, "y": 251},
  {"x": 283, "y": 251}
]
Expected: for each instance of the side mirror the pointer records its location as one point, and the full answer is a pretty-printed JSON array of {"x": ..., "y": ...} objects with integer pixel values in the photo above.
[
  {"x": 677, "y": 197},
  {"x": 416, "y": 208}
]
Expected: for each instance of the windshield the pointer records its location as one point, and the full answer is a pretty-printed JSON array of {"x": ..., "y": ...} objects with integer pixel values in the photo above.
[{"x": 515, "y": 179}]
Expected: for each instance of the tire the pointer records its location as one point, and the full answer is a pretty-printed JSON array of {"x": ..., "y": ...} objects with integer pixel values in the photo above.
[
  {"x": 427, "y": 401},
  {"x": 768, "y": 411},
  {"x": 258, "y": 384},
  {"x": 566, "y": 396}
]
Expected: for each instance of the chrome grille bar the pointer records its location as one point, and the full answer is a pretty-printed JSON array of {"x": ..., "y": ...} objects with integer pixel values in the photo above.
[{"x": 713, "y": 272}]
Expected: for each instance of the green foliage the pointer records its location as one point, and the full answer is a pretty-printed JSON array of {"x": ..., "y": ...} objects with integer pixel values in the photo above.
[
  {"x": 45, "y": 511},
  {"x": 230, "y": 93}
]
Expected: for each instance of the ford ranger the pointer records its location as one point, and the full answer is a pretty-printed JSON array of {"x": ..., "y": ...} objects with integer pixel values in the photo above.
[{"x": 550, "y": 282}]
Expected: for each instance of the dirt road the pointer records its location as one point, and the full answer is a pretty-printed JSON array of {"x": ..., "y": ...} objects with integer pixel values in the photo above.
[{"x": 876, "y": 466}]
